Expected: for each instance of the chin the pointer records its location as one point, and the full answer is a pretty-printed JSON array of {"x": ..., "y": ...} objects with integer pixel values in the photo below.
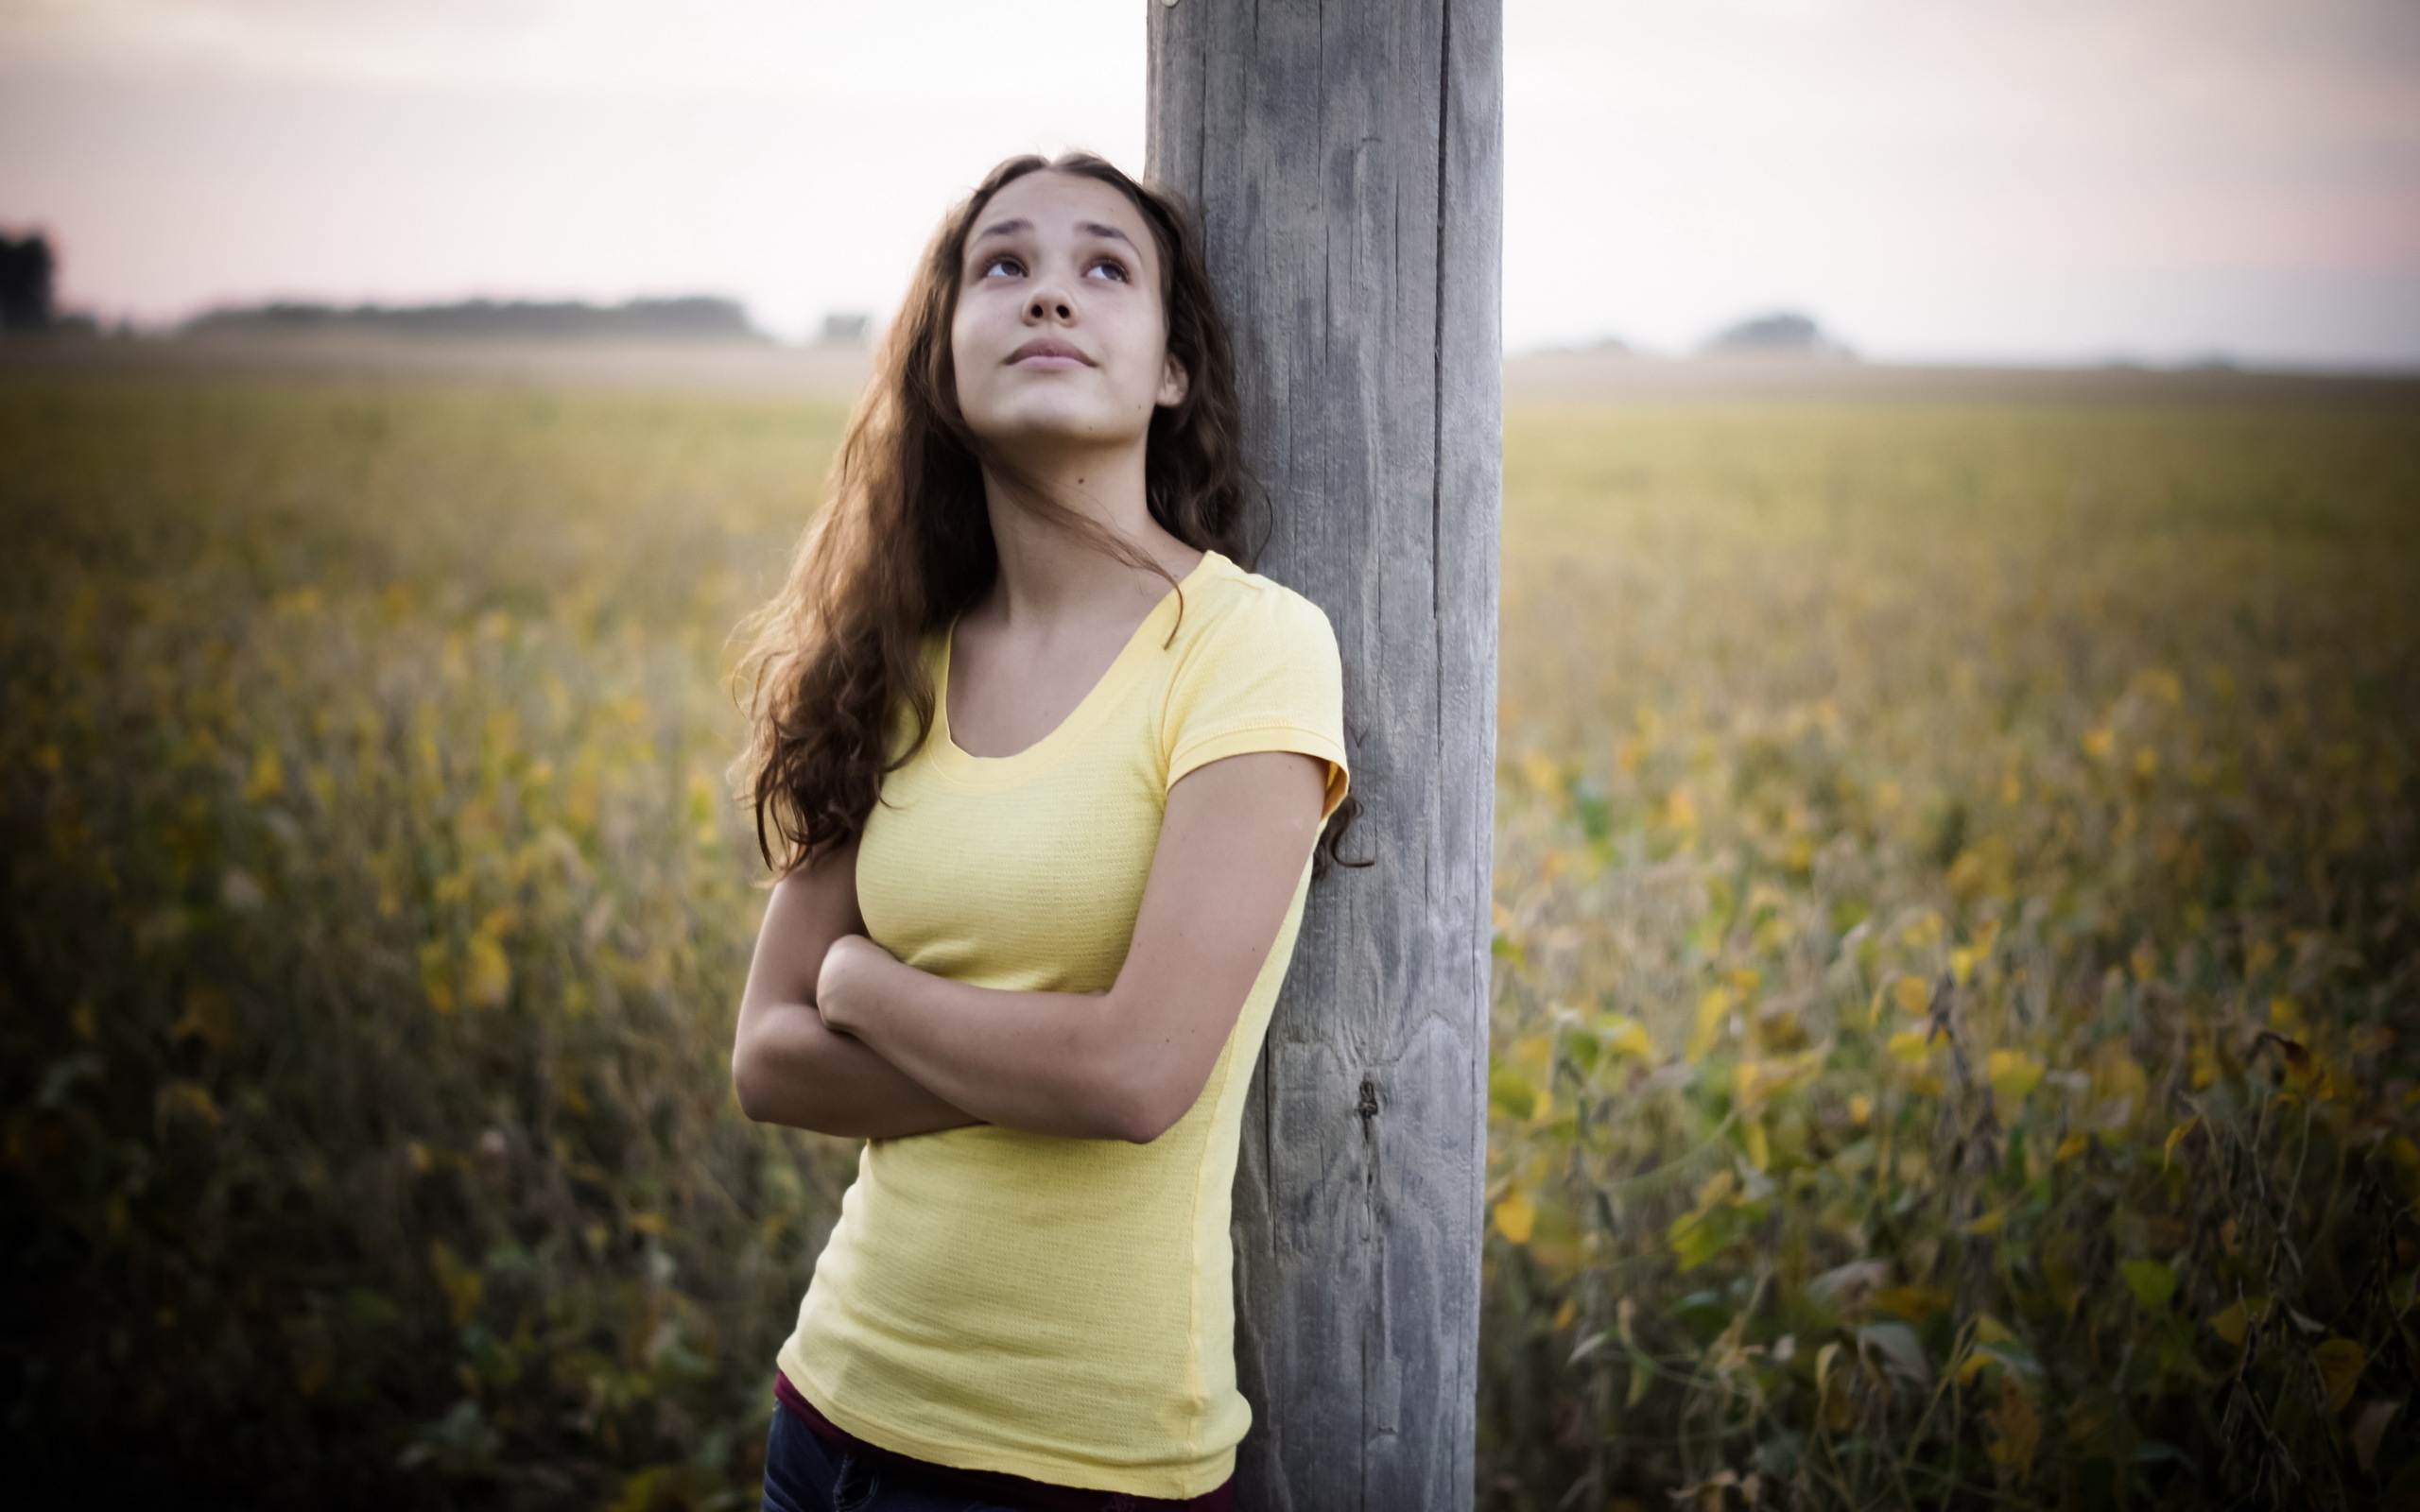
[{"x": 1047, "y": 424}]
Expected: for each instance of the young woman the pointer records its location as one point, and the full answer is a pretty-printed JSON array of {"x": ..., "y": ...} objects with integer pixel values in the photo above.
[{"x": 1043, "y": 770}]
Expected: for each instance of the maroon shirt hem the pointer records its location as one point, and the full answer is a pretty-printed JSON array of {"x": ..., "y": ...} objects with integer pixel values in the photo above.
[{"x": 1017, "y": 1491}]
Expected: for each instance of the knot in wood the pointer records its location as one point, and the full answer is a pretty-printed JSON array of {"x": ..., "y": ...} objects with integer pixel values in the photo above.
[{"x": 1368, "y": 1107}]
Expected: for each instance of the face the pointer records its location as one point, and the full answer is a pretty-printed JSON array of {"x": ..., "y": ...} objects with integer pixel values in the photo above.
[{"x": 1061, "y": 336}]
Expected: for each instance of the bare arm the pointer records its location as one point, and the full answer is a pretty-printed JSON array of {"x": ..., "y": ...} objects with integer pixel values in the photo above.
[
  {"x": 1128, "y": 1063},
  {"x": 785, "y": 1065}
]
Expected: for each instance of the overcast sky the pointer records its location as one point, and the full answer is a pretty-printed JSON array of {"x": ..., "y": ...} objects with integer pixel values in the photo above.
[{"x": 2020, "y": 179}]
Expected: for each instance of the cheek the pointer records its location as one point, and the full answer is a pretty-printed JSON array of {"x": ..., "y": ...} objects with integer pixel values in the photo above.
[
  {"x": 966, "y": 348},
  {"x": 963, "y": 337}
]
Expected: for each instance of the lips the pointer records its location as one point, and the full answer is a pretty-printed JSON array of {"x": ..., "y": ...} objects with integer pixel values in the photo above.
[{"x": 1045, "y": 350}]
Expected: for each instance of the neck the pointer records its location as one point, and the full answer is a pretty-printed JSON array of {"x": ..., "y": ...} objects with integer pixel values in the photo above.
[{"x": 1051, "y": 572}]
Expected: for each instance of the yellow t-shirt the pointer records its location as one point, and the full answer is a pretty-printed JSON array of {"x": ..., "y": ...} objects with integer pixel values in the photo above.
[{"x": 1063, "y": 1308}]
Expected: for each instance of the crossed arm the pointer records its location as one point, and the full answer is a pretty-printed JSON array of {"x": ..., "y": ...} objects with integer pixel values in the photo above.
[{"x": 839, "y": 1036}]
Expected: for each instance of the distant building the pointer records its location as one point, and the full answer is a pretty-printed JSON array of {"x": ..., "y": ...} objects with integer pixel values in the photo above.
[
  {"x": 1784, "y": 332},
  {"x": 843, "y": 329}
]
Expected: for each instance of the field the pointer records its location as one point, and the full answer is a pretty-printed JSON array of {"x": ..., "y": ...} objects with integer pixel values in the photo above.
[{"x": 1957, "y": 899}]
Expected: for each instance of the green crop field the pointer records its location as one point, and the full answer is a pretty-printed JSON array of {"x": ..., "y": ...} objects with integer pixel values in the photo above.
[{"x": 1958, "y": 934}]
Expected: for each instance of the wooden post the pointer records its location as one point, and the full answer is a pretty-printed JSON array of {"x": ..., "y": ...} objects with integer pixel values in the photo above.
[{"x": 1347, "y": 159}]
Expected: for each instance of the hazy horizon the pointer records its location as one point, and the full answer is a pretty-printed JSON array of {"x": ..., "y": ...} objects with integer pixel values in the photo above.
[{"x": 2063, "y": 181}]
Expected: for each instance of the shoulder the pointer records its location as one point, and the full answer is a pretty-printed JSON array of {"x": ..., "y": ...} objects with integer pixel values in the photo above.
[
  {"x": 1252, "y": 654},
  {"x": 1257, "y": 669},
  {"x": 1229, "y": 612}
]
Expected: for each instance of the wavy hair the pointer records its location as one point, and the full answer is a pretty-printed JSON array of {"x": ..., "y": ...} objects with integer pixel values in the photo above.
[{"x": 834, "y": 681}]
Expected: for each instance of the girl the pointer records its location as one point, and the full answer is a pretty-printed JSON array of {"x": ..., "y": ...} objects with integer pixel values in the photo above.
[{"x": 1043, "y": 770}]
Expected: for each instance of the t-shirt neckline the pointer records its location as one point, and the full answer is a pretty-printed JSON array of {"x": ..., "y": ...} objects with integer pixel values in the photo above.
[{"x": 1132, "y": 658}]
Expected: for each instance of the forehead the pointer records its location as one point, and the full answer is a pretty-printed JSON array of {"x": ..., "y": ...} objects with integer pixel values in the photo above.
[{"x": 1064, "y": 204}]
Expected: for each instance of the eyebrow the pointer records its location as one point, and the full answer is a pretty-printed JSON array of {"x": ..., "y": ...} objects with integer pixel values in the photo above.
[{"x": 1090, "y": 228}]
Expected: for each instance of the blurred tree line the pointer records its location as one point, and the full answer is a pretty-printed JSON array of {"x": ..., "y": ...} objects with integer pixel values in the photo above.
[{"x": 28, "y": 272}]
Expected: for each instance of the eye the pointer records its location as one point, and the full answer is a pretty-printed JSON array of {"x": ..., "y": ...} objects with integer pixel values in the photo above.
[
  {"x": 1111, "y": 268},
  {"x": 999, "y": 262}
]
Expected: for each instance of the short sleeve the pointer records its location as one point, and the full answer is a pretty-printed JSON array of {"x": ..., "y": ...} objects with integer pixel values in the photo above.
[{"x": 1266, "y": 677}]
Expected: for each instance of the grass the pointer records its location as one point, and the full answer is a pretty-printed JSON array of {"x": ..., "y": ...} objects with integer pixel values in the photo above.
[{"x": 1956, "y": 914}]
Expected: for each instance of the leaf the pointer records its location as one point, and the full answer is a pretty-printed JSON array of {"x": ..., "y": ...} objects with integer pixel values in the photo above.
[
  {"x": 2230, "y": 1323},
  {"x": 267, "y": 778},
  {"x": 2368, "y": 1427},
  {"x": 1628, "y": 1036},
  {"x": 2144, "y": 962},
  {"x": 1912, "y": 1045},
  {"x": 2119, "y": 1085},
  {"x": 435, "y": 980},
  {"x": 1836, "y": 1412},
  {"x": 464, "y": 1286},
  {"x": 2012, "y": 1072},
  {"x": 1510, "y": 1092},
  {"x": 1716, "y": 1189},
  {"x": 1699, "y": 1235},
  {"x": 1696, "y": 1238},
  {"x": 2298, "y": 1059},
  {"x": 1902, "y": 1352},
  {"x": 1583, "y": 1048},
  {"x": 2174, "y": 1135},
  {"x": 2152, "y": 1282},
  {"x": 2340, "y": 1361},
  {"x": 1515, "y": 1217},
  {"x": 1913, "y": 1302},
  {"x": 1850, "y": 1284},
  {"x": 1712, "y": 1009},
  {"x": 190, "y": 1099},
  {"x": 487, "y": 977},
  {"x": 1990, "y": 1332},
  {"x": 207, "y": 1017},
  {"x": 1913, "y": 996},
  {"x": 2073, "y": 1145},
  {"x": 2016, "y": 1428}
]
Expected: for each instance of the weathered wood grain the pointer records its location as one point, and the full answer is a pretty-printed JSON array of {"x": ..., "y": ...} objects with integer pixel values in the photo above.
[{"x": 1347, "y": 159}]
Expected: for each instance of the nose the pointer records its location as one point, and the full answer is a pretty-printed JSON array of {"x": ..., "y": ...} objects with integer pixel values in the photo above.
[{"x": 1048, "y": 304}]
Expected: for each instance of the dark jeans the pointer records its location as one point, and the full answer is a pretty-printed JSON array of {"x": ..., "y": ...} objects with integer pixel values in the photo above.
[{"x": 803, "y": 1474}]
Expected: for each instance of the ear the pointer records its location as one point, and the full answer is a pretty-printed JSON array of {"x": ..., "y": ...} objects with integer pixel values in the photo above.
[{"x": 1174, "y": 383}]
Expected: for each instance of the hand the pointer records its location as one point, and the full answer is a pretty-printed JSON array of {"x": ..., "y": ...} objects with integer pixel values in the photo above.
[{"x": 850, "y": 964}]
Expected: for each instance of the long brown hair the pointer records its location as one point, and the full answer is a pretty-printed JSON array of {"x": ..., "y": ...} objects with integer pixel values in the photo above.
[{"x": 834, "y": 681}]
